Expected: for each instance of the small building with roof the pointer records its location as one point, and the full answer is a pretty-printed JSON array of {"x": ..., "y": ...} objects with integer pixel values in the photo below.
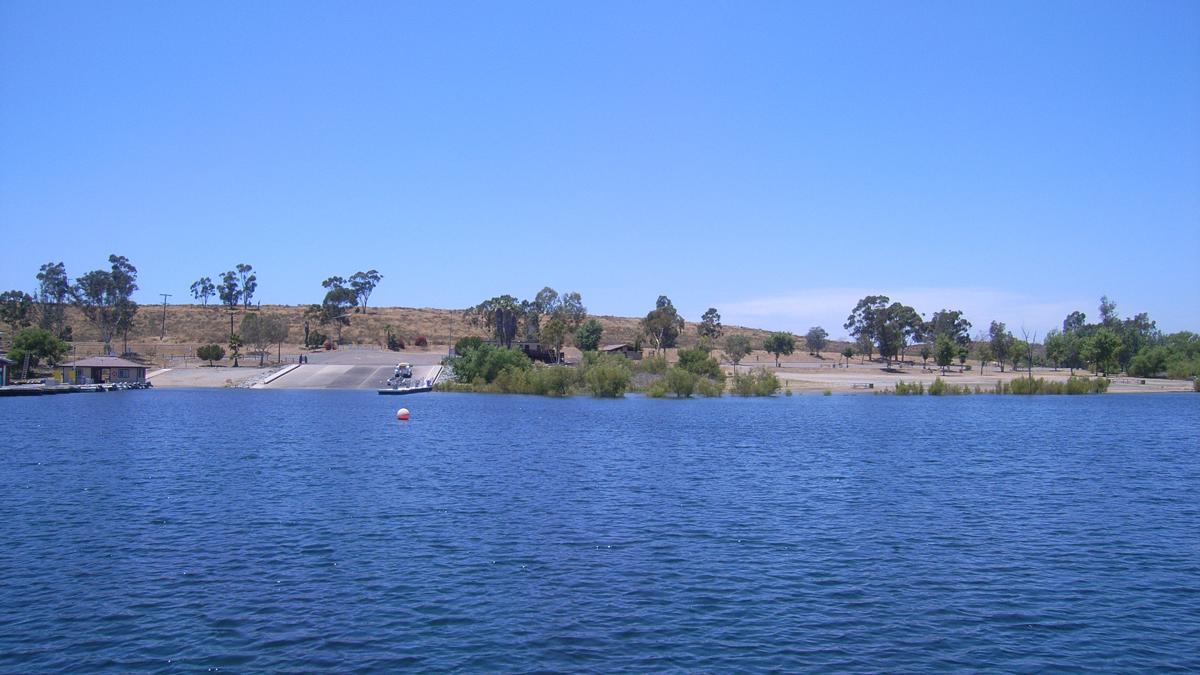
[
  {"x": 5, "y": 364},
  {"x": 102, "y": 370},
  {"x": 624, "y": 349}
]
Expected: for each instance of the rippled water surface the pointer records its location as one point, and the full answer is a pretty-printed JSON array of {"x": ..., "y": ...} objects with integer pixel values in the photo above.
[{"x": 275, "y": 530}]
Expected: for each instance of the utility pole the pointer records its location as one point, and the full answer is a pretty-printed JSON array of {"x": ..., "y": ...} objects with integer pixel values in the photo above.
[{"x": 162, "y": 336}]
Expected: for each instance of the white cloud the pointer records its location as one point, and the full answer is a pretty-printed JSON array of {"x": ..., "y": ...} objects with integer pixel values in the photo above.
[{"x": 829, "y": 307}]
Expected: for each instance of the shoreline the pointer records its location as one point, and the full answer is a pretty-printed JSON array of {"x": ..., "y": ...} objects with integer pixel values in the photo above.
[{"x": 856, "y": 379}]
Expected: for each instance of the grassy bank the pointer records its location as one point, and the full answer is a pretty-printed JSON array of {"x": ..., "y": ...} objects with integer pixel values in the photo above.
[{"x": 1024, "y": 385}]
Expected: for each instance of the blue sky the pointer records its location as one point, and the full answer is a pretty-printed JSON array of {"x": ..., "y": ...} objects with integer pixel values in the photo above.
[{"x": 776, "y": 160}]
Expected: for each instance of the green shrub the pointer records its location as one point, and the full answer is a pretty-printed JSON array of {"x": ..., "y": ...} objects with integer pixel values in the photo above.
[
  {"x": 698, "y": 362},
  {"x": 467, "y": 344},
  {"x": 607, "y": 378},
  {"x": 680, "y": 382},
  {"x": 484, "y": 363},
  {"x": 1196, "y": 384},
  {"x": 657, "y": 389},
  {"x": 1180, "y": 367},
  {"x": 510, "y": 380},
  {"x": 655, "y": 365},
  {"x": 709, "y": 387},
  {"x": 554, "y": 381},
  {"x": 938, "y": 388},
  {"x": 210, "y": 353},
  {"x": 905, "y": 389},
  {"x": 759, "y": 382}
]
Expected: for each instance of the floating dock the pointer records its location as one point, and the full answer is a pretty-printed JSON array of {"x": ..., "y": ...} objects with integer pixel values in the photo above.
[
  {"x": 404, "y": 390},
  {"x": 50, "y": 390}
]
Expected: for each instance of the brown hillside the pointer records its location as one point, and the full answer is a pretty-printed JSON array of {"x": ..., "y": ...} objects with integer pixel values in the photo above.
[{"x": 188, "y": 326}]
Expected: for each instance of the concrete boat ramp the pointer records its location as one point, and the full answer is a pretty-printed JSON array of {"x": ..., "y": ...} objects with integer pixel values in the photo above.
[{"x": 341, "y": 376}]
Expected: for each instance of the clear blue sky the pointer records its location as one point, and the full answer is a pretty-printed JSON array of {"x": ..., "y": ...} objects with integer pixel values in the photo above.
[{"x": 774, "y": 160}]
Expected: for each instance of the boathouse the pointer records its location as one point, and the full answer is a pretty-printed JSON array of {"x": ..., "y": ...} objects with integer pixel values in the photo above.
[
  {"x": 624, "y": 349},
  {"x": 102, "y": 370},
  {"x": 4, "y": 366}
]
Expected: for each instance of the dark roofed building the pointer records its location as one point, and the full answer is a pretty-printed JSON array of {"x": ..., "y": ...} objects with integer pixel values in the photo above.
[
  {"x": 624, "y": 349},
  {"x": 102, "y": 370}
]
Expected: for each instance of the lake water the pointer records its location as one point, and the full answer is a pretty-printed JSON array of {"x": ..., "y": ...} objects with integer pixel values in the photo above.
[{"x": 288, "y": 530}]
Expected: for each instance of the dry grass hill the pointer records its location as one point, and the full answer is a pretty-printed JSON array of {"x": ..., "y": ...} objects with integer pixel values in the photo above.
[{"x": 188, "y": 326}]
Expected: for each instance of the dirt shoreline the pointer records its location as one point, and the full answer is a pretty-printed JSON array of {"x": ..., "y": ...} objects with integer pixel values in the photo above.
[{"x": 800, "y": 373}]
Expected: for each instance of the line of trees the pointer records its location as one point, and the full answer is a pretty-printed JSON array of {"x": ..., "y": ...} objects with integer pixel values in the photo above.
[
  {"x": 547, "y": 320},
  {"x": 103, "y": 296},
  {"x": 1133, "y": 345},
  {"x": 236, "y": 288},
  {"x": 343, "y": 297}
]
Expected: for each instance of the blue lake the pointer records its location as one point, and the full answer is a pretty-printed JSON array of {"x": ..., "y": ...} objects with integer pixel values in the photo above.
[{"x": 250, "y": 531}]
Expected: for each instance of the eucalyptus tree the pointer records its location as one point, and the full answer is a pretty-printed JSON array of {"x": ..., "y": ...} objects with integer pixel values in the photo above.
[
  {"x": 571, "y": 310},
  {"x": 1074, "y": 322},
  {"x": 867, "y": 318},
  {"x": 229, "y": 291},
  {"x": 1017, "y": 350},
  {"x": 53, "y": 294},
  {"x": 710, "y": 325},
  {"x": 737, "y": 346},
  {"x": 1108, "y": 312},
  {"x": 1055, "y": 344},
  {"x": 248, "y": 281},
  {"x": 124, "y": 279},
  {"x": 1101, "y": 350},
  {"x": 500, "y": 316},
  {"x": 203, "y": 289},
  {"x": 864, "y": 347},
  {"x": 889, "y": 325},
  {"x": 337, "y": 304},
  {"x": 945, "y": 349},
  {"x": 588, "y": 335},
  {"x": 104, "y": 297},
  {"x": 816, "y": 339},
  {"x": 950, "y": 323},
  {"x": 16, "y": 310},
  {"x": 253, "y": 332},
  {"x": 263, "y": 330},
  {"x": 983, "y": 352},
  {"x": 363, "y": 284},
  {"x": 1137, "y": 333},
  {"x": 662, "y": 324},
  {"x": 554, "y": 334},
  {"x": 546, "y": 301},
  {"x": 780, "y": 344},
  {"x": 1001, "y": 342}
]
